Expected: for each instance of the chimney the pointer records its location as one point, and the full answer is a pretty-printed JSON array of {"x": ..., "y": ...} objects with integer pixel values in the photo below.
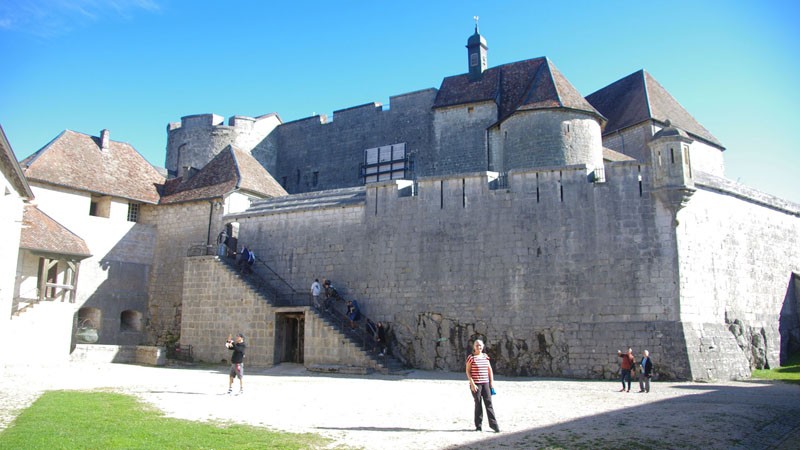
[{"x": 104, "y": 141}]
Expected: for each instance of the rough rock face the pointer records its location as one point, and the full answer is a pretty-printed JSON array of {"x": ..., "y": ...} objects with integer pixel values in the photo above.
[
  {"x": 539, "y": 353},
  {"x": 752, "y": 341}
]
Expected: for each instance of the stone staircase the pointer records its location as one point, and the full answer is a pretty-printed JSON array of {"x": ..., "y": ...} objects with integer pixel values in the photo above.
[{"x": 278, "y": 293}]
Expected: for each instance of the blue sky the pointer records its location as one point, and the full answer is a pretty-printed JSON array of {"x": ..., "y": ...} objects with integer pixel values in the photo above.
[{"x": 133, "y": 66}]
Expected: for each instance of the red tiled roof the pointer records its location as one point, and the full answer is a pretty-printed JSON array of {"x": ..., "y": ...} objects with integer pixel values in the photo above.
[
  {"x": 524, "y": 85},
  {"x": 41, "y": 233},
  {"x": 75, "y": 160},
  {"x": 230, "y": 170}
]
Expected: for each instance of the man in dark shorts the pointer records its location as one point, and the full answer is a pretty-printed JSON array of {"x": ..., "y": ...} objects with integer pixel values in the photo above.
[{"x": 237, "y": 361}]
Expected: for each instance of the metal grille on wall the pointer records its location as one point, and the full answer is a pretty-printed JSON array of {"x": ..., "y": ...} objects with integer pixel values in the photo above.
[{"x": 389, "y": 162}]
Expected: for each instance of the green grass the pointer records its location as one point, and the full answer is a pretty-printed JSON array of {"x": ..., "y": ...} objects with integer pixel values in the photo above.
[
  {"x": 789, "y": 372},
  {"x": 104, "y": 420}
]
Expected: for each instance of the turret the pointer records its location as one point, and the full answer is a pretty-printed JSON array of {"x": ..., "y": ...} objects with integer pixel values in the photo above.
[
  {"x": 476, "y": 53},
  {"x": 673, "y": 181}
]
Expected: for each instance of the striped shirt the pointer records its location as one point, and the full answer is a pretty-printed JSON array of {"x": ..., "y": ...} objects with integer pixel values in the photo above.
[{"x": 479, "y": 370}]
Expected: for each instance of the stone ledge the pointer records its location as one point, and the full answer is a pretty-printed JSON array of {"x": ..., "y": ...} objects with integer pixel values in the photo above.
[
  {"x": 333, "y": 368},
  {"x": 127, "y": 354}
]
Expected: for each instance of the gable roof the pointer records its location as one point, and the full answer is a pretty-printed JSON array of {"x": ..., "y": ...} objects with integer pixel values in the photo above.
[
  {"x": 42, "y": 233},
  {"x": 524, "y": 85},
  {"x": 11, "y": 169},
  {"x": 638, "y": 97},
  {"x": 232, "y": 169},
  {"x": 76, "y": 160}
]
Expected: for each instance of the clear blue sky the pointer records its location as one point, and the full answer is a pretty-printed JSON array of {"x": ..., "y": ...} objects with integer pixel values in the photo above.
[{"x": 133, "y": 66}]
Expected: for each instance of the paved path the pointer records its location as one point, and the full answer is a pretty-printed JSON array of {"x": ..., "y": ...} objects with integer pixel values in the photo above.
[{"x": 432, "y": 410}]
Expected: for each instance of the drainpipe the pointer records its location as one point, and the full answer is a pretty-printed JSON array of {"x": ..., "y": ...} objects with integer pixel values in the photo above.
[{"x": 210, "y": 219}]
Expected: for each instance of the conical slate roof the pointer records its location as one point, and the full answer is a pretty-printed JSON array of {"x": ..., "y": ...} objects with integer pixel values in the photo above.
[
  {"x": 638, "y": 98},
  {"x": 524, "y": 85}
]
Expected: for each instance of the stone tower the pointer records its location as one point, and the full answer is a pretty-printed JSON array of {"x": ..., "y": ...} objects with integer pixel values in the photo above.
[{"x": 476, "y": 52}]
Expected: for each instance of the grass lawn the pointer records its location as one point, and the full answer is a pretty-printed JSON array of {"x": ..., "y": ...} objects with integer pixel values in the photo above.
[
  {"x": 789, "y": 372},
  {"x": 105, "y": 420}
]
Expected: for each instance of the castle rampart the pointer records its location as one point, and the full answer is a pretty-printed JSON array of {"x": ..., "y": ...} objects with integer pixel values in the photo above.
[{"x": 555, "y": 272}]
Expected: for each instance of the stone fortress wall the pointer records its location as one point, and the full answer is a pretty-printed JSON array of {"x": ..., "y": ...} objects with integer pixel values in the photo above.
[
  {"x": 316, "y": 154},
  {"x": 554, "y": 272}
]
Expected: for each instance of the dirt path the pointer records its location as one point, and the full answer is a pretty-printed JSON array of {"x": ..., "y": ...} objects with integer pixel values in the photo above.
[{"x": 433, "y": 410}]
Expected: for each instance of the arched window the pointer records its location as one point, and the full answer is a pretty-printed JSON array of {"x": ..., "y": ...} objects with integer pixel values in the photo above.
[
  {"x": 89, "y": 321},
  {"x": 130, "y": 320}
]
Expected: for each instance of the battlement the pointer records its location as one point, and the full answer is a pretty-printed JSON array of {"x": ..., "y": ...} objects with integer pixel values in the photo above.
[
  {"x": 198, "y": 122},
  {"x": 550, "y": 186},
  {"x": 410, "y": 102}
]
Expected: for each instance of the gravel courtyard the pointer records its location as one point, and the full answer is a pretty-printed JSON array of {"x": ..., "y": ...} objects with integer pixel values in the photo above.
[{"x": 433, "y": 410}]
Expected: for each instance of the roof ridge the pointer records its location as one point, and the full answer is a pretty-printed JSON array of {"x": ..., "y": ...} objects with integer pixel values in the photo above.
[
  {"x": 646, "y": 93},
  {"x": 547, "y": 64},
  {"x": 236, "y": 165}
]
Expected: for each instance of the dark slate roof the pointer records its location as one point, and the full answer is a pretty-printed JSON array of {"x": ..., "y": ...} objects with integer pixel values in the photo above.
[
  {"x": 638, "y": 98},
  {"x": 41, "y": 233},
  {"x": 11, "y": 168},
  {"x": 333, "y": 198},
  {"x": 615, "y": 156},
  {"x": 232, "y": 169},
  {"x": 76, "y": 161},
  {"x": 524, "y": 85}
]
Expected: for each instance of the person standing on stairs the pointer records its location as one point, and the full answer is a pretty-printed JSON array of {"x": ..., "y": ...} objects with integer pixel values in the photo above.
[{"x": 315, "y": 291}]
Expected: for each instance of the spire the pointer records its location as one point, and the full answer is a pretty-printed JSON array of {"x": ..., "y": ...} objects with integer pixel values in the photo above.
[{"x": 476, "y": 53}]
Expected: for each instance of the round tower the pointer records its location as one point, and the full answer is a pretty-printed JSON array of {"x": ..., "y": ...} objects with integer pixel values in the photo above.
[{"x": 198, "y": 138}]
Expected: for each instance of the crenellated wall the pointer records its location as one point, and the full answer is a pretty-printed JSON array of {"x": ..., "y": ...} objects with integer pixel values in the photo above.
[
  {"x": 331, "y": 151},
  {"x": 554, "y": 272}
]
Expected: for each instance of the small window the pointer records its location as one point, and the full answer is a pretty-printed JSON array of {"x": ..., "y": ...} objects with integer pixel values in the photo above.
[
  {"x": 130, "y": 321},
  {"x": 283, "y": 182},
  {"x": 133, "y": 212},
  {"x": 473, "y": 59},
  {"x": 100, "y": 206},
  {"x": 315, "y": 179},
  {"x": 470, "y": 109}
]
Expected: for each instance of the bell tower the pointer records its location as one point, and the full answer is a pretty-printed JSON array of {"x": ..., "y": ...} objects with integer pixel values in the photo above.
[{"x": 476, "y": 53}]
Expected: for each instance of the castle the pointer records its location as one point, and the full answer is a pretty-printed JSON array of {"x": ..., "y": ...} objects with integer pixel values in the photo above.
[{"x": 503, "y": 205}]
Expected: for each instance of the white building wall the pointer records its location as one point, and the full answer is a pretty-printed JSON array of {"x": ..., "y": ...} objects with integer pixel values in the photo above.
[
  {"x": 11, "y": 208},
  {"x": 115, "y": 277}
]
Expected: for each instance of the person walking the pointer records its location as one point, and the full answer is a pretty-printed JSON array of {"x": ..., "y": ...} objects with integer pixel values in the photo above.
[
  {"x": 353, "y": 313},
  {"x": 481, "y": 384},
  {"x": 315, "y": 291},
  {"x": 237, "y": 361},
  {"x": 626, "y": 366},
  {"x": 645, "y": 372},
  {"x": 381, "y": 339}
]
